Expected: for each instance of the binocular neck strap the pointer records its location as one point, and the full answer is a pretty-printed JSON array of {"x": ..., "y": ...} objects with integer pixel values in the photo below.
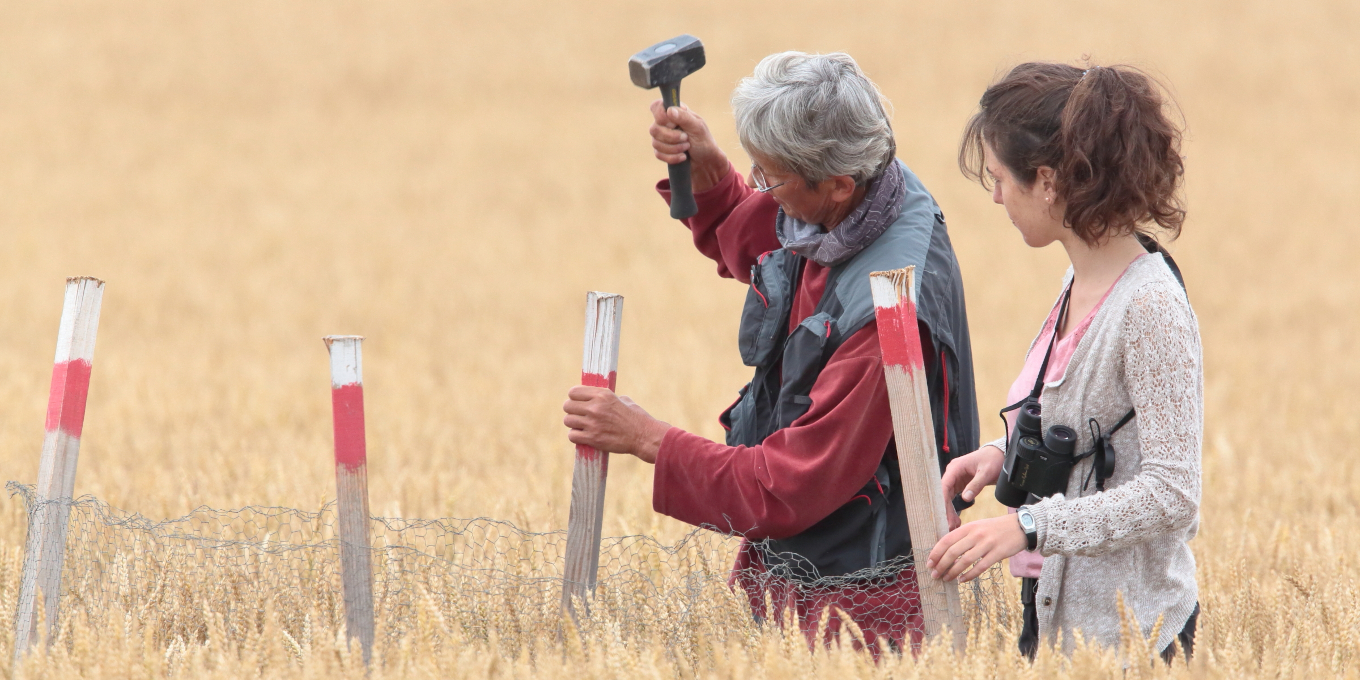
[
  {"x": 1043, "y": 369},
  {"x": 1122, "y": 422},
  {"x": 1052, "y": 340}
]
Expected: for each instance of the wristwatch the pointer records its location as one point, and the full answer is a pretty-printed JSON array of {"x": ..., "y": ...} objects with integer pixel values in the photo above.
[{"x": 1028, "y": 526}]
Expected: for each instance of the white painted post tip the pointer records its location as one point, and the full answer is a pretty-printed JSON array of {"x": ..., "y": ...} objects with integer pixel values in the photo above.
[
  {"x": 604, "y": 319},
  {"x": 888, "y": 288},
  {"x": 79, "y": 319},
  {"x": 347, "y": 359}
]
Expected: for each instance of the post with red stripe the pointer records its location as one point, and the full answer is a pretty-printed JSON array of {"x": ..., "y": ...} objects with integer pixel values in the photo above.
[
  {"x": 909, "y": 398},
  {"x": 604, "y": 318},
  {"x": 45, "y": 548},
  {"x": 351, "y": 486}
]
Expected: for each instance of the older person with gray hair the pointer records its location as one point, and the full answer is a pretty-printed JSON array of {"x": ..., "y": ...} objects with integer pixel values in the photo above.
[{"x": 808, "y": 473}]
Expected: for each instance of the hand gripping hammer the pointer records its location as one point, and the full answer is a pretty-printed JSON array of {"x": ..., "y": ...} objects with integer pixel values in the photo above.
[{"x": 664, "y": 65}]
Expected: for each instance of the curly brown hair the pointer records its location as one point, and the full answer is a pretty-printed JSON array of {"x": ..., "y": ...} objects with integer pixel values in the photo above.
[{"x": 1104, "y": 130}]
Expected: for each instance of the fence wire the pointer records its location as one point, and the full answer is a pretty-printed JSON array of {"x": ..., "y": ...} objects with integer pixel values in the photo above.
[{"x": 471, "y": 579}]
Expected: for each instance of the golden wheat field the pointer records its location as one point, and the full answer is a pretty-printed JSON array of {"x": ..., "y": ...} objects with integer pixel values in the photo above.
[{"x": 448, "y": 179}]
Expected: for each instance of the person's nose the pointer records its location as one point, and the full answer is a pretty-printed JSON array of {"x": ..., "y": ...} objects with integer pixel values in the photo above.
[{"x": 996, "y": 194}]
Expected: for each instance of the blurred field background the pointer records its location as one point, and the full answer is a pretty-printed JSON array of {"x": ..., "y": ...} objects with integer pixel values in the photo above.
[{"x": 449, "y": 179}]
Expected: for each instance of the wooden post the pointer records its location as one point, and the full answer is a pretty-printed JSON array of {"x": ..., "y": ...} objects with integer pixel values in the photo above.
[
  {"x": 908, "y": 396},
  {"x": 351, "y": 486},
  {"x": 45, "y": 549},
  {"x": 604, "y": 316}
]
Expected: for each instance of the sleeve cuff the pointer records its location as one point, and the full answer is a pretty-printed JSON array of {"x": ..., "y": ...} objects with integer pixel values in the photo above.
[
  {"x": 1042, "y": 512},
  {"x": 666, "y": 456}
]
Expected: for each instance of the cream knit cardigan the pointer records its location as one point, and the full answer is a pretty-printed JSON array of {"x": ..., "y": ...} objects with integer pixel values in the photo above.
[{"x": 1142, "y": 350}]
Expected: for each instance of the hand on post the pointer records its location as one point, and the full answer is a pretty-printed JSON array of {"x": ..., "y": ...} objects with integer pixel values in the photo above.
[
  {"x": 600, "y": 419},
  {"x": 969, "y": 550},
  {"x": 678, "y": 130},
  {"x": 965, "y": 553},
  {"x": 967, "y": 476}
]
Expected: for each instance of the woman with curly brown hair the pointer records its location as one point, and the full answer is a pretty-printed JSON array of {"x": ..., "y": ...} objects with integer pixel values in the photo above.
[{"x": 1090, "y": 159}]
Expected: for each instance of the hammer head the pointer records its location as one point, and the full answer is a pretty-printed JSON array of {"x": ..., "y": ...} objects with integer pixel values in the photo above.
[{"x": 666, "y": 62}]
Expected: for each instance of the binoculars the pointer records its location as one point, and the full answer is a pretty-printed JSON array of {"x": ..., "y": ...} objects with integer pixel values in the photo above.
[{"x": 1035, "y": 464}]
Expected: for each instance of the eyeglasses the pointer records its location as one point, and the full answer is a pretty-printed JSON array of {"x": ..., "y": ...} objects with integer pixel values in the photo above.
[{"x": 762, "y": 185}]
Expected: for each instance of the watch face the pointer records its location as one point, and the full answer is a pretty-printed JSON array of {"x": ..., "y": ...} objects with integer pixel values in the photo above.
[{"x": 1026, "y": 522}]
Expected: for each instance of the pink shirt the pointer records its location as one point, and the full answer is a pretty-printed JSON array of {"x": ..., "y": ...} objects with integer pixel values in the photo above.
[{"x": 1027, "y": 564}]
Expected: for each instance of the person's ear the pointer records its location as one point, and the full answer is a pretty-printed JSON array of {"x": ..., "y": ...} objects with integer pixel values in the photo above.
[
  {"x": 1046, "y": 183},
  {"x": 842, "y": 187}
]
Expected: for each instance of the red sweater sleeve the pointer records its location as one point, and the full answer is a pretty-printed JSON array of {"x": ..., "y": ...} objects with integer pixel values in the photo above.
[
  {"x": 734, "y": 225},
  {"x": 798, "y": 475}
]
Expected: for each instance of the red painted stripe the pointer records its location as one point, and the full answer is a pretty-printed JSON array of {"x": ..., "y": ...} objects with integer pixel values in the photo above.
[
  {"x": 898, "y": 336},
  {"x": 597, "y": 380},
  {"x": 66, "y": 399},
  {"x": 347, "y": 405},
  {"x": 592, "y": 454}
]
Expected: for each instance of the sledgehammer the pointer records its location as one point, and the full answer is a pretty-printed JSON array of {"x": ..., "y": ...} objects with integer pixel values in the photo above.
[{"x": 664, "y": 65}]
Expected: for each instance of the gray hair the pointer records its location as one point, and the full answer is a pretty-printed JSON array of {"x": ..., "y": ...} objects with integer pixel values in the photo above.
[{"x": 816, "y": 114}]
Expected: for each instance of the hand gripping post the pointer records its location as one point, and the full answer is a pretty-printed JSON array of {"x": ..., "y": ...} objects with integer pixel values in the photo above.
[
  {"x": 604, "y": 318},
  {"x": 895, "y": 309},
  {"x": 45, "y": 549},
  {"x": 351, "y": 486}
]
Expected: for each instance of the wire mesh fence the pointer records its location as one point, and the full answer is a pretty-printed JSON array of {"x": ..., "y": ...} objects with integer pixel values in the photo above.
[{"x": 222, "y": 573}]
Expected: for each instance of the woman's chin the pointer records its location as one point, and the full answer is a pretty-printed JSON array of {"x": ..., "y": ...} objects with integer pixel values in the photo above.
[{"x": 1033, "y": 240}]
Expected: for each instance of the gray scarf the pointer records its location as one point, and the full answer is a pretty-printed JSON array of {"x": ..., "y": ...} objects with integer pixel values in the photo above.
[{"x": 876, "y": 212}]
